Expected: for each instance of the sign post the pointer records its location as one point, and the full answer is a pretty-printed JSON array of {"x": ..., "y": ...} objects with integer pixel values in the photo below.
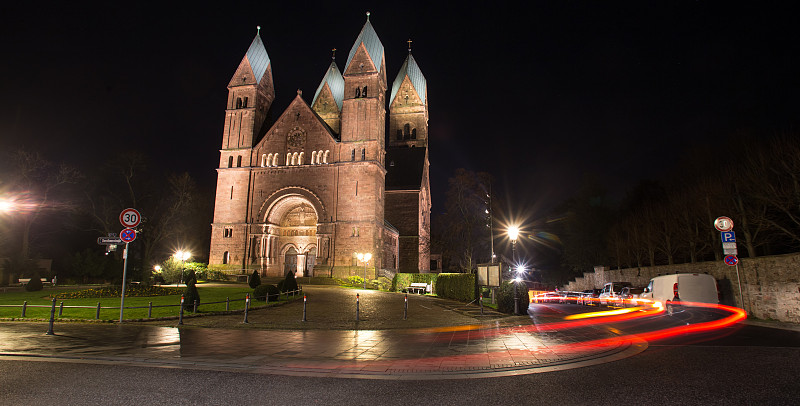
[
  {"x": 725, "y": 227},
  {"x": 129, "y": 218}
]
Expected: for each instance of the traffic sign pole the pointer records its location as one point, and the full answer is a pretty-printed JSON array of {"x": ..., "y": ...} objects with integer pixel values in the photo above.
[{"x": 124, "y": 275}]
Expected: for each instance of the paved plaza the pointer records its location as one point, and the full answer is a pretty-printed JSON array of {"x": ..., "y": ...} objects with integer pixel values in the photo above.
[{"x": 439, "y": 339}]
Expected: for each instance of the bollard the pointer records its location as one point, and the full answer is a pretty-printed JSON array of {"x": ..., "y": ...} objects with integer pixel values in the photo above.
[
  {"x": 405, "y": 307},
  {"x": 246, "y": 307},
  {"x": 304, "y": 307},
  {"x": 150, "y": 310},
  {"x": 52, "y": 318},
  {"x": 481, "y": 302},
  {"x": 180, "y": 316},
  {"x": 97, "y": 315},
  {"x": 60, "y": 309},
  {"x": 227, "y": 304},
  {"x": 194, "y": 309},
  {"x": 358, "y": 311},
  {"x": 24, "y": 307}
]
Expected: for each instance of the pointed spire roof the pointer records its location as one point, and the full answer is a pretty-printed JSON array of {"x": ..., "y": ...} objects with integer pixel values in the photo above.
[
  {"x": 335, "y": 82},
  {"x": 257, "y": 57},
  {"x": 372, "y": 44},
  {"x": 410, "y": 69}
]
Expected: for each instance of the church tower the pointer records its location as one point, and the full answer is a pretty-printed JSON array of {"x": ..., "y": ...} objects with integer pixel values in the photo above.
[
  {"x": 408, "y": 106},
  {"x": 250, "y": 95},
  {"x": 360, "y": 211},
  {"x": 327, "y": 102}
]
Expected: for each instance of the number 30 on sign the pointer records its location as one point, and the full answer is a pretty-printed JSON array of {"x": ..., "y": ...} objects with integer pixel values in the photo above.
[{"x": 130, "y": 218}]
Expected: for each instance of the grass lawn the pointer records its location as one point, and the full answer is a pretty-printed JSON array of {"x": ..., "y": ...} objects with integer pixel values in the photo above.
[{"x": 208, "y": 294}]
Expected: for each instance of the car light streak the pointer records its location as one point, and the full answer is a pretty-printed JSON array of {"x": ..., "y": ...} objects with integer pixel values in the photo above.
[{"x": 600, "y": 314}]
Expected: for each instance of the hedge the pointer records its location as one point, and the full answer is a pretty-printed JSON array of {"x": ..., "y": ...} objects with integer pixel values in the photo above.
[
  {"x": 456, "y": 286},
  {"x": 404, "y": 280},
  {"x": 505, "y": 298}
]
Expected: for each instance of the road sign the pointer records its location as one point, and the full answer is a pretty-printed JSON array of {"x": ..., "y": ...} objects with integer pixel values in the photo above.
[
  {"x": 727, "y": 236},
  {"x": 723, "y": 223},
  {"x": 731, "y": 260},
  {"x": 130, "y": 218},
  {"x": 109, "y": 241},
  {"x": 127, "y": 235},
  {"x": 730, "y": 251}
]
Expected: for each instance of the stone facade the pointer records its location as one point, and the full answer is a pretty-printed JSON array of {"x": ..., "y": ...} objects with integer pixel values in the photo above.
[
  {"x": 770, "y": 285},
  {"x": 306, "y": 193}
]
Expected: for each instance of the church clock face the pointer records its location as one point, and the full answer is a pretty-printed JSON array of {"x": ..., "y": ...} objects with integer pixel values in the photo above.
[{"x": 296, "y": 139}]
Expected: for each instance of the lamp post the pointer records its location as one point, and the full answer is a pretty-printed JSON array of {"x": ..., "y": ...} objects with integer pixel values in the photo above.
[
  {"x": 365, "y": 257},
  {"x": 520, "y": 270},
  {"x": 513, "y": 234},
  {"x": 182, "y": 256}
]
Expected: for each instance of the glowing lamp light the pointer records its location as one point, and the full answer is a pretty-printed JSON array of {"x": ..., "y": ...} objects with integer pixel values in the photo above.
[
  {"x": 157, "y": 268},
  {"x": 518, "y": 279},
  {"x": 6, "y": 205},
  {"x": 513, "y": 233},
  {"x": 183, "y": 255},
  {"x": 520, "y": 269}
]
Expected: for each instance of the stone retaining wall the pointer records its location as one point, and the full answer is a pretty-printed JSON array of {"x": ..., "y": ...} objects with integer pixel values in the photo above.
[{"x": 770, "y": 285}]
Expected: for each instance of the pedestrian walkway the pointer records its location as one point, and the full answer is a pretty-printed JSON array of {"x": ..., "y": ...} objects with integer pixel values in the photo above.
[{"x": 438, "y": 340}]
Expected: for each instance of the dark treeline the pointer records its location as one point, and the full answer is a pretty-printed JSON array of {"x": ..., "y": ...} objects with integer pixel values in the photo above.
[
  {"x": 753, "y": 180},
  {"x": 57, "y": 212}
]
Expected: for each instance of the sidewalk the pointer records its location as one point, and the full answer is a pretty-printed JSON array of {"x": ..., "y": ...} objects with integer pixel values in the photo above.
[{"x": 439, "y": 340}]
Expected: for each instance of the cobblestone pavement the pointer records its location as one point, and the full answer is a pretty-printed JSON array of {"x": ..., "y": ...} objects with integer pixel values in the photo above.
[{"x": 440, "y": 339}]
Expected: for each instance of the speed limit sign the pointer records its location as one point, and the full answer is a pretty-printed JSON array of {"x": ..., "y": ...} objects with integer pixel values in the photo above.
[{"x": 130, "y": 218}]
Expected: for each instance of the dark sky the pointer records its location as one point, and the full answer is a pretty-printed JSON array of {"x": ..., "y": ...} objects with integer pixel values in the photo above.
[{"x": 536, "y": 93}]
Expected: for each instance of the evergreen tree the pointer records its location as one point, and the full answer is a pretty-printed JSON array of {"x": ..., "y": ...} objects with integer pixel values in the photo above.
[
  {"x": 190, "y": 294},
  {"x": 35, "y": 284},
  {"x": 255, "y": 280},
  {"x": 289, "y": 283}
]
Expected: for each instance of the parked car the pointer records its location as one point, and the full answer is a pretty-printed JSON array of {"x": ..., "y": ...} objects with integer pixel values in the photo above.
[
  {"x": 546, "y": 297},
  {"x": 629, "y": 297},
  {"x": 671, "y": 291},
  {"x": 589, "y": 297},
  {"x": 610, "y": 294},
  {"x": 570, "y": 297}
]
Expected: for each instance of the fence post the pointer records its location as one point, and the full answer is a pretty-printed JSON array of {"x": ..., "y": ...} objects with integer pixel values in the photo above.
[
  {"x": 227, "y": 303},
  {"x": 60, "y": 309},
  {"x": 180, "y": 316},
  {"x": 150, "y": 310},
  {"x": 358, "y": 310},
  {"x": 194, "y": 309},
  {"x": 97, "y": 315},
  {"x": 52, "y": 318},
  {"x": 304, "y": 307},
  {"x": 246, "y": 308},
  {"x": 405, "y": 307},
  {"x": 24, "y": 307}
]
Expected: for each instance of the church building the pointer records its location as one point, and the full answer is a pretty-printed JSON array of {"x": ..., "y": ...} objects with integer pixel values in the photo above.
[{"x": 329, "y": 178}]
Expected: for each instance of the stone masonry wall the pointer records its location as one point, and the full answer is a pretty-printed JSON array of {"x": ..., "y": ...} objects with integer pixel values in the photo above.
[{"x": 770, "y": 285}]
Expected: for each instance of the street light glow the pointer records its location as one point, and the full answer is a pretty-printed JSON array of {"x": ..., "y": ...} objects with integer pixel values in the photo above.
[
  {"x": 520, "y": 269},
  {"x": 6, "y": 205},
  {"x": 513, "y": 233},
  {"x": 182, "y": 255}
]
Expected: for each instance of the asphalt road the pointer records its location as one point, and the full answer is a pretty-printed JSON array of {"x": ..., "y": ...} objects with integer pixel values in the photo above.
[{"x": 743, "y": 364}]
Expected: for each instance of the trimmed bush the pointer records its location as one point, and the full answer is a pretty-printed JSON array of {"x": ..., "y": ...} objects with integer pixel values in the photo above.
[
  {"x": 505, "y": 297},
  {"x": 404, "y": 280},
  {"x": 261, "y": 291},
  {"x": 35, "y": 284},
  {"x": 456, "y": 286},
  {"x": 190, "y": 294},
  {"x": 289, "y": 283},
  {"x": 255, "y": 280}
]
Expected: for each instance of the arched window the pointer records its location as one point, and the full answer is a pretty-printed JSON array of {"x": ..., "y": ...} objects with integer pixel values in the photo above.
[
  {"x": 358, "y": 92},
  {"x": 399, "y": 135},
  {"x": 364, "y": 92},
  {"x": 238, "y": 102},
  {"x": 239, "y": 161},
  {"x": 244, "y": 104},
  {"x": 230, "y": 162},
  {"x": 314, "y": 158},
  {"x": 264, "y": 158},
  {"x": 288, "y": 158},
  {"x": 294, "y": 158},
  {"x": 414, "y": 134},
  {"x": 406, "y": 131},
  {"x": 300, "y": 158},
  {"x": 226, "y": 257},
  {"x": 363, "y": 154},
  {"x": 325, "y": 159},
  {"x": 353, "y": 155}
]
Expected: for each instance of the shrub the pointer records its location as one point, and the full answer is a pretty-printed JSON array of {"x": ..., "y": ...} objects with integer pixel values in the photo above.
[
  {"x": 261, "y": 291},
  {"x": 255, "y": 280},
  {"x": 289, "y": 283},
  {"x": 115, "y": 291},
  {"x": 190, "y": 294},
  {"x": 505, "y": 297},
  {"x": 354, "y": 281},
  {"x": 35, "y": 284},
  {"x": 404, "y": 280},
  {"x": 456, "y": 286}
]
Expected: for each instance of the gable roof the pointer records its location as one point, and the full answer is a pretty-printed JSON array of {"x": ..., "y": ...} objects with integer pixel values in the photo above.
[
  {"x": 404, "y": 168},
  {"x": 258, "y": 58},
  {"x": 335, "y": 82},
  {"x": 372, "y": 44},
  {"x": 410, "y": 69}
]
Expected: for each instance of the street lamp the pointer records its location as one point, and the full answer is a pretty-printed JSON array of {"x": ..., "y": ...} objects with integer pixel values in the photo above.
[
  {"x": 182, "y": 256},
  {"x": 6, "y": 205},
  {"x": 364, "y": 257},
  {"x": 520, "y": 270}
]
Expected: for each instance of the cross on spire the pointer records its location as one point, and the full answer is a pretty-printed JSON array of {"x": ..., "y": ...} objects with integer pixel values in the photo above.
[
  {"x": 258, "y": 29},
  {"x": 409, "y": 45},
  {"x": 334, "y": 54}
]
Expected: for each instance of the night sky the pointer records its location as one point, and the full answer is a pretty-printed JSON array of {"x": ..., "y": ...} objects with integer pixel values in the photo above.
[{"x": 536, "y": 93}]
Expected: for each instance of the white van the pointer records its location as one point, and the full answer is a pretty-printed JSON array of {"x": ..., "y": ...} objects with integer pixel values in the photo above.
[
  {"x": 611, "y": 293},
  {"x": 670, "y": 290}
]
